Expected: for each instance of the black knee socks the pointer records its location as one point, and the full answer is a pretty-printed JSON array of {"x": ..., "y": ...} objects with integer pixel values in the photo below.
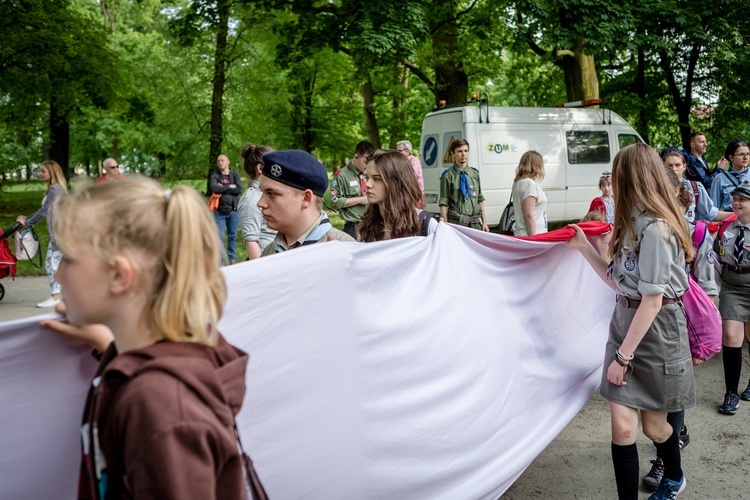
[
  {"x": 732, "y": 357},
  {"x": 669, "y": 452},
  {"x": 625, "y": 461},
  {"x": 677, "y": 420}
]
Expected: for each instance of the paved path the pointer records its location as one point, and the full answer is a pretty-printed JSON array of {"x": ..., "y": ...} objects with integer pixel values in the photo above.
[
  {"x": 577, "y": 463},
  {"x": 21, "y": 297}
]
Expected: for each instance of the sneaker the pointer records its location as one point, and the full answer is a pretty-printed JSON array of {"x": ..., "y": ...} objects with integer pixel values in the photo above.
[
  {"x": 653, "y": 478},
  {"x": 50, "y": 302},
  {"x": 746, "y": 393},
  {"x": 668, "y": 489},
  {"x": 730, "y": 404},
  {"x": 684, "y": 437}
]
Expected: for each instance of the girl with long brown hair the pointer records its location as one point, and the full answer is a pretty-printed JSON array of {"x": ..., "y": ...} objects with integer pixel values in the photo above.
[
  {"x": 647, "y": 365},
  {"x": 393, "y": 196}
]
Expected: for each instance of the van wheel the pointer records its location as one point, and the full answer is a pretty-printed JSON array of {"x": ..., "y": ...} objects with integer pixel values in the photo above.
[{"x": 2, "y": 292}]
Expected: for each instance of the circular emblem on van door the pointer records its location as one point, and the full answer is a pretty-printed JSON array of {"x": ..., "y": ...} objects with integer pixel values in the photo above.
[{"x": 276, "y": 170}]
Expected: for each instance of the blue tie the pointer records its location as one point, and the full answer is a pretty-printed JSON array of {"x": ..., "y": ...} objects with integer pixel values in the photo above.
[{"x": 464, "y": 185}]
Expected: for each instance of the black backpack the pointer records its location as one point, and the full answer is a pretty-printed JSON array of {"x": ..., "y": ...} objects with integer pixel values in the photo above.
[
  {"x": 508, "y": 219},
  {"x": 424, "y": 222}
]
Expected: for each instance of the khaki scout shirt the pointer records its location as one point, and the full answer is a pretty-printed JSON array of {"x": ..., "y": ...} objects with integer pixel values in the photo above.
[
  {"x": 347, "y": 185},
  {"x": 451, "y": 195},
  {"x": 281, "y": 238},
  {"x": 725, "y": 245},
  {"x": 653, "y": 263}
]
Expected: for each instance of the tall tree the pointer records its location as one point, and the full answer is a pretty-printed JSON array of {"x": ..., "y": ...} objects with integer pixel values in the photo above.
[
  {"x": 570, "y": 33},
  {"x": 62, "y": 59}
]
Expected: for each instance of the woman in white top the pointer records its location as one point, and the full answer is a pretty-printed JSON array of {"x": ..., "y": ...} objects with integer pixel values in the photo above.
[{"x": 529, "y": 201}]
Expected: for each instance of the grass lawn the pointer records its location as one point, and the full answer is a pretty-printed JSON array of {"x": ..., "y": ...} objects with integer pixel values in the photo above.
[{"x": 25, "y": 198}]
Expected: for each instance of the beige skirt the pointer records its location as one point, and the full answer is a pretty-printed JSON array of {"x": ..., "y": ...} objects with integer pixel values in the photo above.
[{"x": 662, "y": 377}]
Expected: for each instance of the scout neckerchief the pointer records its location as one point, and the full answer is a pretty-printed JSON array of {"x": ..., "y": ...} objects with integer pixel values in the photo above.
[
  {"x": 464, "y": 183},
  {"x": 734, "y": 177},
  {"x": 313, "y": 237},
  {"x": 739, "y": 245},
  {"x": 361, "y": 183}
]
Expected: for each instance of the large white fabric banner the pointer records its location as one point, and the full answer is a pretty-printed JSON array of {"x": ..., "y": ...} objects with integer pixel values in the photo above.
[{"x": 435, "y": 367}]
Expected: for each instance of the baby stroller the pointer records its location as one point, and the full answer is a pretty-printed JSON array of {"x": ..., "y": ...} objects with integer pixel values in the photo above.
[{"x": 7, "y": 259}]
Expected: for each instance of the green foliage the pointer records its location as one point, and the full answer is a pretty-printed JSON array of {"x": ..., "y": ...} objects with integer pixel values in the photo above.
[{"x": 135, "y": 76}]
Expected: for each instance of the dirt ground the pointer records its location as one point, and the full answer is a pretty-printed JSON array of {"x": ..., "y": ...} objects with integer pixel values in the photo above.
[{"x": 577, "y": 464}]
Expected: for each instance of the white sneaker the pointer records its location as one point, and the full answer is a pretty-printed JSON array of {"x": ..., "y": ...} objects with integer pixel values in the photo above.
[{"x": 50, "y": 302}]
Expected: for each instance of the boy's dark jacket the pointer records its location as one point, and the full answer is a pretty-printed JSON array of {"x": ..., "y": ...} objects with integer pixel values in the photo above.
[{"x": 164, "y": 415}]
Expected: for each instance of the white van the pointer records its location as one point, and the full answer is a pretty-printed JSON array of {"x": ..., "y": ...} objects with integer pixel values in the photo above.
[{"x": 577, "y": 144}]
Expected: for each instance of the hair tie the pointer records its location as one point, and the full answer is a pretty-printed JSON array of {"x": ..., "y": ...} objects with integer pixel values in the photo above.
[{"x": 167, "y": 194}]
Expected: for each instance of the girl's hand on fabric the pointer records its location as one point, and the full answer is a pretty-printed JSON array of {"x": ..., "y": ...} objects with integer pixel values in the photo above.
[
  {"x": 97, "y": 336},
  {"x": 579, "y": 241},
  {"x": 616, "y": 373}
]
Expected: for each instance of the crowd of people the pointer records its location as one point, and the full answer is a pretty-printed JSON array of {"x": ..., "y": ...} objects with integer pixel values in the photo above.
[{"x": 141, "y": 269}]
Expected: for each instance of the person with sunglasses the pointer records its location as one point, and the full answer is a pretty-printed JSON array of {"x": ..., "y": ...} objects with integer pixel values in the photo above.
[
  {"x": 725, "y": 181},
  {"x": 111, "y": 171},
  {"x": 648, "y": 367}
]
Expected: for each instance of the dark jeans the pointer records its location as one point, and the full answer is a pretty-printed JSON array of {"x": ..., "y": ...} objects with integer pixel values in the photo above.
[{"x": 227, "y": 224}]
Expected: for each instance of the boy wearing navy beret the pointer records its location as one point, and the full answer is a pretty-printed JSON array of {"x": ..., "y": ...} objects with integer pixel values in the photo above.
[{"x": 293, "y": 184}]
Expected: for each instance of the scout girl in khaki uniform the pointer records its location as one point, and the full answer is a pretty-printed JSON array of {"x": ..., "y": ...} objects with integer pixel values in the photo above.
[
  {"x": 647, "y": 366},
  {"x": 734, "y": 299}
]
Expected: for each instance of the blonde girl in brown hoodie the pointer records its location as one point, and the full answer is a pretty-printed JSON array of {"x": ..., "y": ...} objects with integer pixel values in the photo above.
[{"x": 140, "y": 269}]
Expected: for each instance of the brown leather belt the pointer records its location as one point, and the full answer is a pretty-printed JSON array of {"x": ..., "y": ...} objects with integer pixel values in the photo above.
[
  {"x": 738, "y": 270},
  {"x": 633, "y": 304}
]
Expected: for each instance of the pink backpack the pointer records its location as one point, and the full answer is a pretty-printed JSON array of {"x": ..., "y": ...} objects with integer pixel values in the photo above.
[{"x": 703, "y": 319}]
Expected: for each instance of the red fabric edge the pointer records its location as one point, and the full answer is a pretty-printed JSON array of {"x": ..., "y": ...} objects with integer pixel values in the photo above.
[{"x": 591, "y": 228}]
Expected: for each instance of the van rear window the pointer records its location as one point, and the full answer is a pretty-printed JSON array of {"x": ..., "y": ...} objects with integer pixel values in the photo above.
[{"x": 587, "y": 147}]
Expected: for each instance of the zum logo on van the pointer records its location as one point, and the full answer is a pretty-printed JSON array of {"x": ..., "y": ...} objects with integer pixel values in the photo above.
[{"x": 501, "y": 148}]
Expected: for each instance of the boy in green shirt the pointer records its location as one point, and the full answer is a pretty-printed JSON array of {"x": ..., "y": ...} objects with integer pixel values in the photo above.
[
  {"x": 461, "y": 200},
  {"x": 348, "y": 189}
]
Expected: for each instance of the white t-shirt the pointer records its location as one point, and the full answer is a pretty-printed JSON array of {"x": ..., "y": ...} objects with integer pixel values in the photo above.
[{"x": 522, "y": 189}]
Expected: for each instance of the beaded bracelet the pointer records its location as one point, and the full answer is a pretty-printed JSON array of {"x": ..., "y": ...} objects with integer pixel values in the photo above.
[
  {"x": 621, "y": 362},
  {"x": 623, "y": 357}
]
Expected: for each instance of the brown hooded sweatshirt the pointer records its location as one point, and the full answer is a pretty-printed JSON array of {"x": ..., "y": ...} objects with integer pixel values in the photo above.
[{"x": 159, "y": 423}]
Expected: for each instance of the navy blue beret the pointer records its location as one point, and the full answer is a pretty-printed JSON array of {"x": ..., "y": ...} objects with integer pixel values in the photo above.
[
  {"x": 742, "y": 190},
  {"x": 296, "y": 168}
]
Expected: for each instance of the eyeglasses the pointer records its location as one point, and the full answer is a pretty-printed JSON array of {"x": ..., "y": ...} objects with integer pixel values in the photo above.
[
  {"x": 112, "y": 168},
  {"x": 743, "y": 155},
  {"x": 400, "y": 150}
]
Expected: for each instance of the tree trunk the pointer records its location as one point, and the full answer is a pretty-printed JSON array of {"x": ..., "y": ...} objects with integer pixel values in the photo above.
[
  {"x": 219, "y": 80},
  {"x": 59, "y": 137},
  {"x": 371, "y": 122},
  {"x": 581, "y": 80},
  {"x": 682, "y": 103},
  {"x": 451, "y": 81},
  {"x": 162, "y": 159},
  {"x": 640, "y": 90},
  {"x": 114, "y": 151}
]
